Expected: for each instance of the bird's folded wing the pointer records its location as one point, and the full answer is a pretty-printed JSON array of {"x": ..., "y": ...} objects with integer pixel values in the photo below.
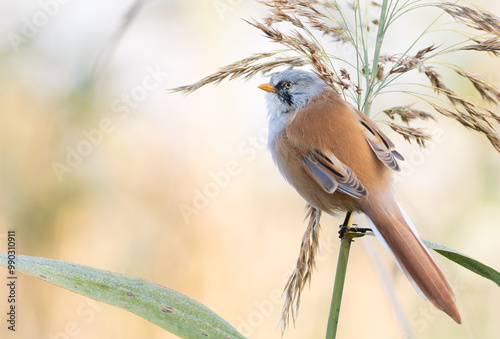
[
  {"x": 379, "y": 142},
  {"x": 331, "y": 174}
]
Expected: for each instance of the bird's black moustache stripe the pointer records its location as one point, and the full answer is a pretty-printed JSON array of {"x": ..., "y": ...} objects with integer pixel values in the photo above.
[{"x": 286, "y": 97}]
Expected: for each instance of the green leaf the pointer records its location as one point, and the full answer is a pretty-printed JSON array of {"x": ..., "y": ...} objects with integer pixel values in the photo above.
[
  {"x": 465, "y": 261},
  {"x": 168, "y": 309}
]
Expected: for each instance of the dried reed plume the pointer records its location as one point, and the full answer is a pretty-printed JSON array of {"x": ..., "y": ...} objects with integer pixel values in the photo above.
[
  {"x": 487, "y": 91},
  {"x": 407, "y": 113},
  {"x": 304, "y": 268},
  {"x": 411, "y": 133},
  {"x": 491, "y": 45},
  {"x": 307, "y": 28},
  {"x": 486, "y": 23},
  {"x": 473, "y": 17},
  {"x": 436, "y": 82},
  {"x": 406, "y": 63},
  {"x": 245, "y": 68}
]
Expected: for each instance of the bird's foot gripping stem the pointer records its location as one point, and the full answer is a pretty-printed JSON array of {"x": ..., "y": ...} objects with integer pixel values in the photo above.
[{"x": 346, "y": 227}]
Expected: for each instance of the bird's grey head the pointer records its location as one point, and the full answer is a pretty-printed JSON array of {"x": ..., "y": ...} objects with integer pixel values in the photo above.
[
  {"x": 291, "y": 90},
  {"x": 288, "y": 92}
]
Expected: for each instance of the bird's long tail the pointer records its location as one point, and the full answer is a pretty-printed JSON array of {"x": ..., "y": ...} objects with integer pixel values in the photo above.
[{"x": 394, "y": 229}]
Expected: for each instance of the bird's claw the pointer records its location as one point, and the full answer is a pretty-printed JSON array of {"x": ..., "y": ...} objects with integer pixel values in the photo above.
[{"x": 346, "y": 229}]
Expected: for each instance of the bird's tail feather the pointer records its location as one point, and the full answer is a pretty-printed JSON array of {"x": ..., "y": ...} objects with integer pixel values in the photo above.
[{"x": 396, "y": 232}]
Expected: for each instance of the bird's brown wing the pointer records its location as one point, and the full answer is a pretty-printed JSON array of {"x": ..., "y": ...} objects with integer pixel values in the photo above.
[
  {"x": 314, "y": 131},
  {"x": 331, "y": 174},
  {"x": 382, "y": 146}
]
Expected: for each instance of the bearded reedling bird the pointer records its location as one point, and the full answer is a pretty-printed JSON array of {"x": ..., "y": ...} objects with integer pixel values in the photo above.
[{"x": 338, "y": 160}]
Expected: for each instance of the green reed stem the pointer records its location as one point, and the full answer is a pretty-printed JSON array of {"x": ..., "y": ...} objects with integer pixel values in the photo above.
[
  {"x": 338, "y": 287},
  {"x": 372, "y": 78}
]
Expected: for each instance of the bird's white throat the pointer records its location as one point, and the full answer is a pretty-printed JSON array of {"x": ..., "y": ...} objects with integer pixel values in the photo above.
[{"x": 277, "y": 114}]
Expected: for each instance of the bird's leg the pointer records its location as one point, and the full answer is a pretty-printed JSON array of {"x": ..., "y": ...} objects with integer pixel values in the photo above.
[{"x": 346, "y": 227}]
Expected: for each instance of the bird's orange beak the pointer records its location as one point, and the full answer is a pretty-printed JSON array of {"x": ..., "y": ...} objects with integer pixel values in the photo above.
[{"x": 267, "y": 87}]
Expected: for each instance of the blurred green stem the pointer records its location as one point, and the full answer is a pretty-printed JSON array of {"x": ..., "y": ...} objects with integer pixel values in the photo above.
[
  {"x": 372, "y": 77},
  {"x": 338, "y": 287}
]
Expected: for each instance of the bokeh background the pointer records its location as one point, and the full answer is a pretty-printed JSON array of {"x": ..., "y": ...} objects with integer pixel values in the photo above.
[{"x": 180, "y": 190}]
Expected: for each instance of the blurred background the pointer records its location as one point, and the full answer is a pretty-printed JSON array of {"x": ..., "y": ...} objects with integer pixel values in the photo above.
[{"x": 100, "y": 166}]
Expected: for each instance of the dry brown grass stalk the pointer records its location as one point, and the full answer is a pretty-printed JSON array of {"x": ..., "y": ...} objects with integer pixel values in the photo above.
[
  {"x": 436, "y": 82},
  {"x": 472, "y": 122},
  {"x": 405, "y": 64},
  {"x": 491, "y": 45},
  {"x": 307, "y": 48},
  {"x": 411, "y": 133},
  {"x": 485, "y": 22},
  {"x": 245, "y": 68},
  {"x": 291, "y": 10},
  {"x": 407, "y": 113},
  {"x": 472, "y": 109},
  {"x": 305, "y": 265},
  {"x": 474, "y": 17},
  {"x": 487, "y": 91},
  {"x": 469, "y": 114}
]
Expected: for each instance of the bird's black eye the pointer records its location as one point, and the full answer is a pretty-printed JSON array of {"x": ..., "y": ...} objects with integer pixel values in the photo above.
[{"x": 288, "y": 84}]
